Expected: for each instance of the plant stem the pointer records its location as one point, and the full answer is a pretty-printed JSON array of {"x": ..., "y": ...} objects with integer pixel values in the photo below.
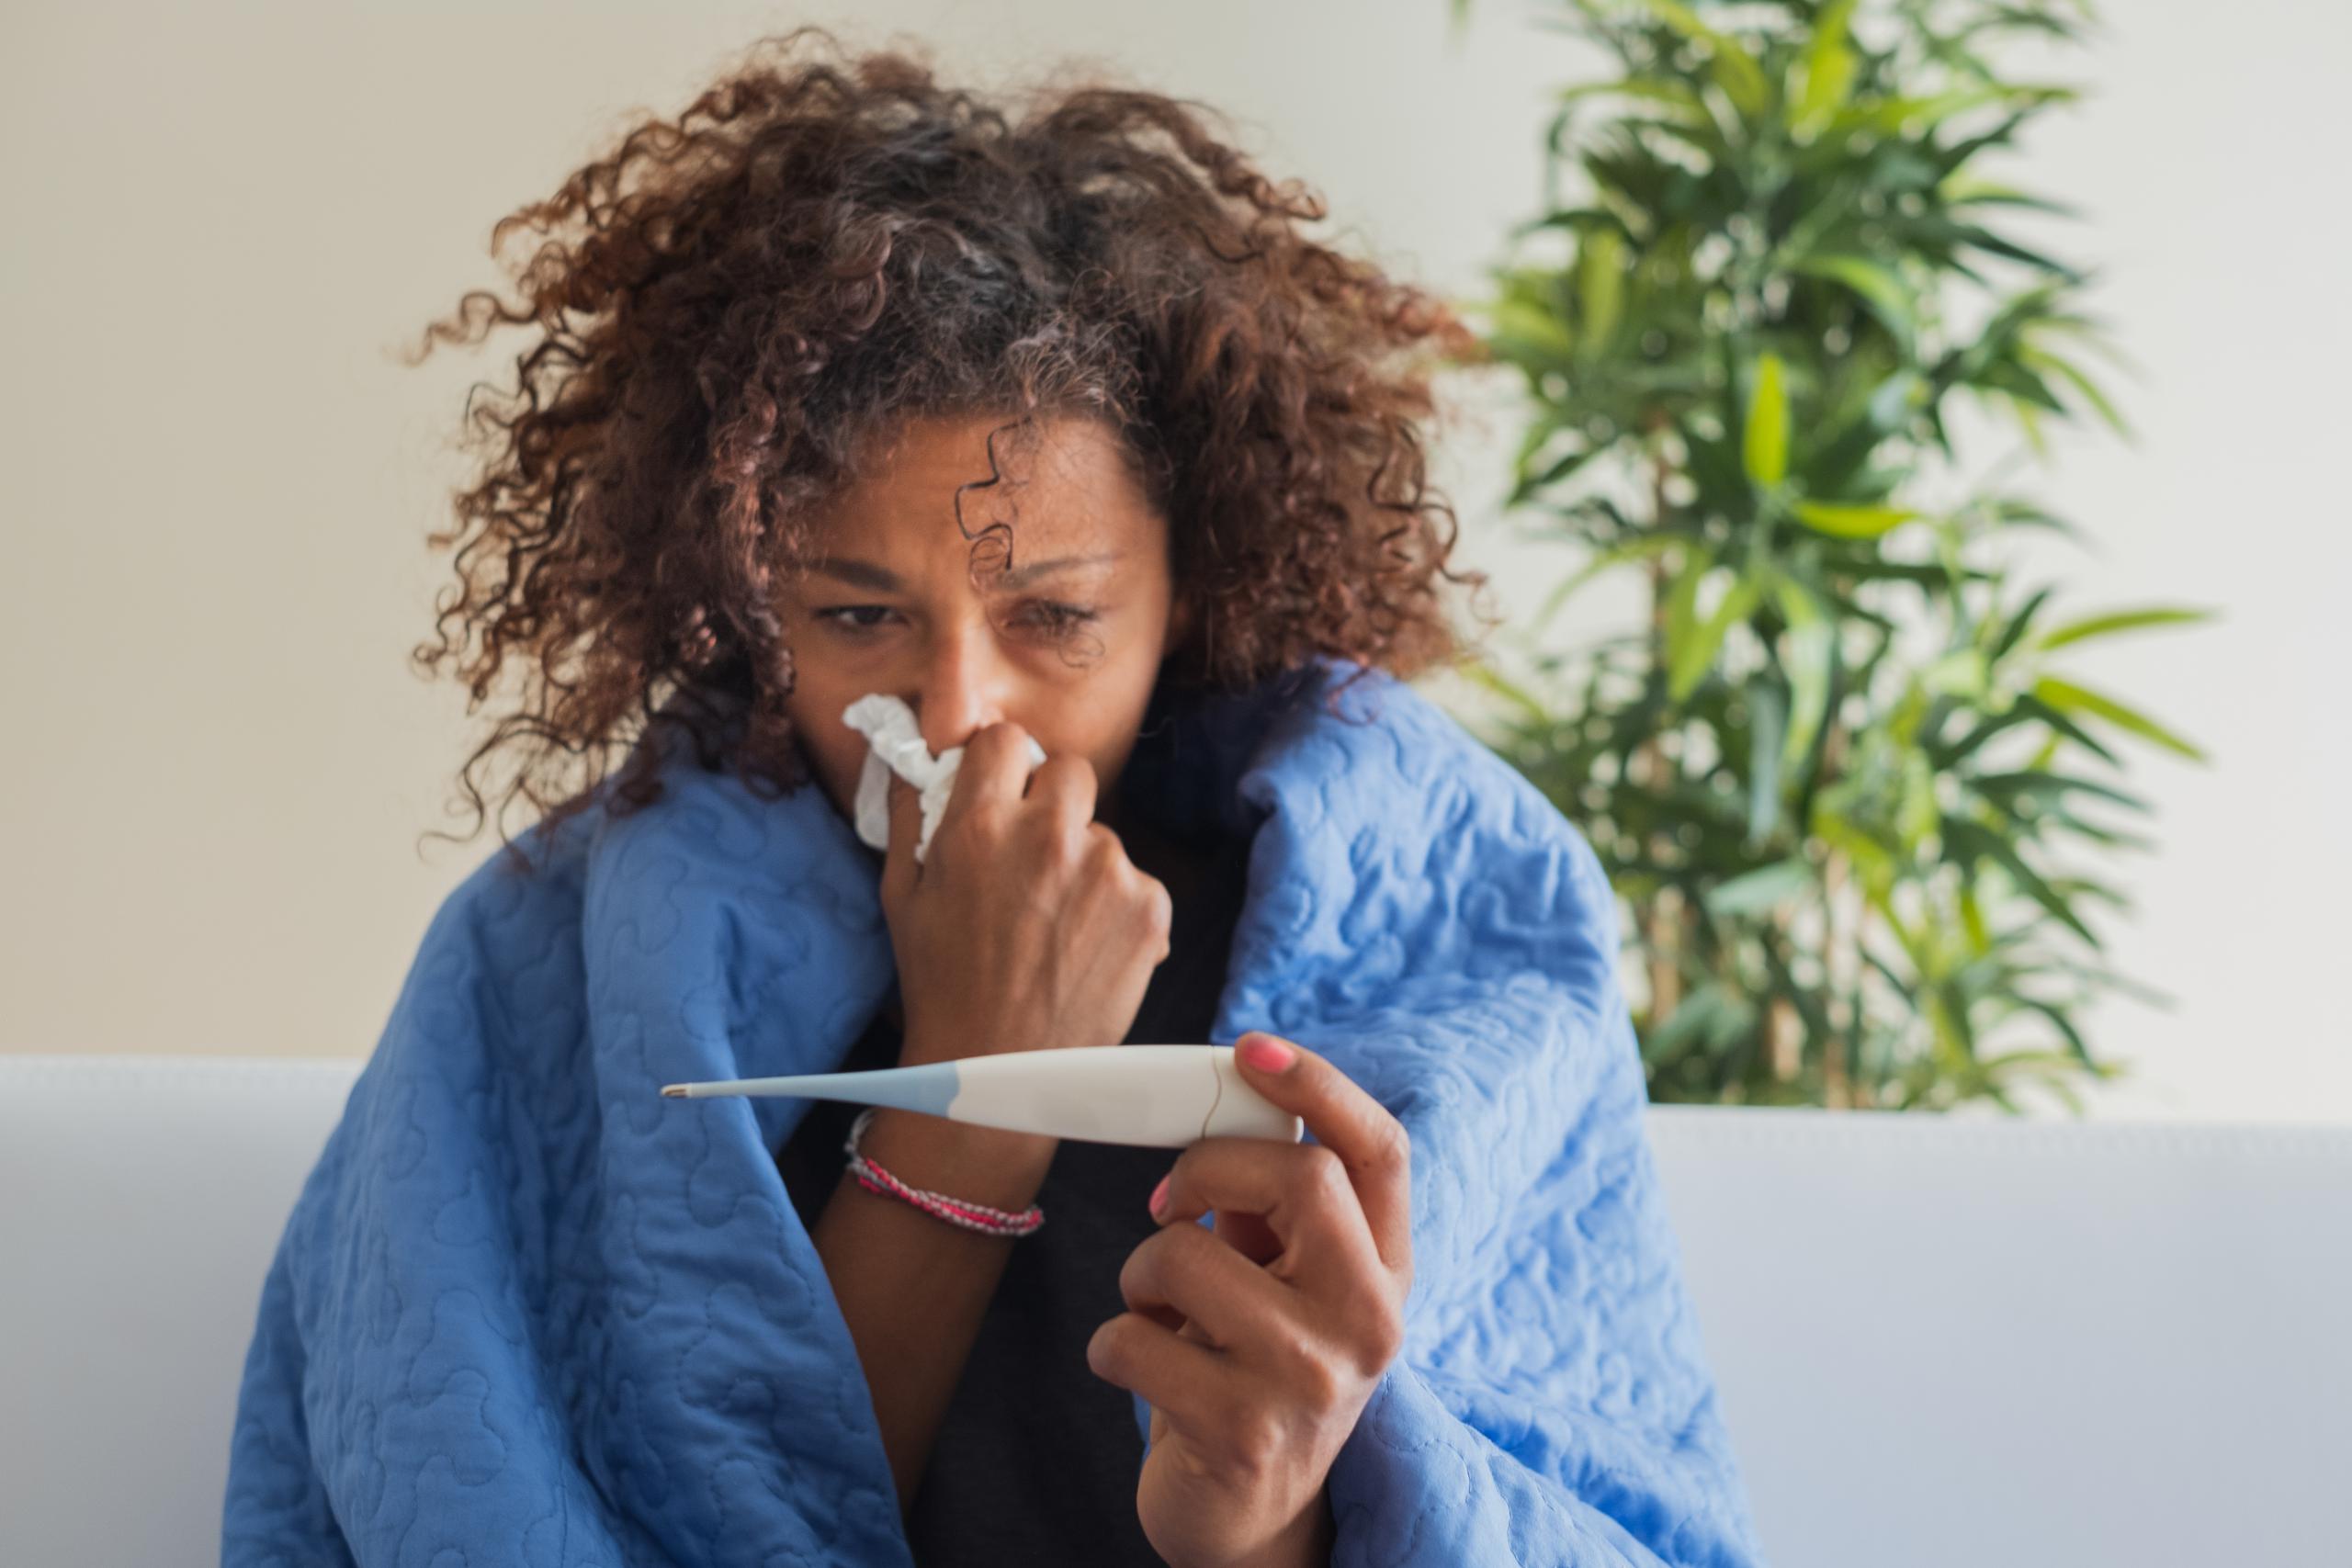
[
  {"x": 1844, "y": 914},
  {"x": 1835, "y": 1093},
  {"x": 1784, "y": 1039},
  {"x": 1659, "y": 922}
]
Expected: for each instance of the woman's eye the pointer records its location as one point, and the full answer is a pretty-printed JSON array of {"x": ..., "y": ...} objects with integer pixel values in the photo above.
[
  {"x": 1063, "y": 617},
  {"x": 854, "y": 626}
]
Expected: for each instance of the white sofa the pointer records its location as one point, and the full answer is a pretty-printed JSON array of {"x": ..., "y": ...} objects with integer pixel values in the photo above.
[{"x": 1961, "y": 1342}]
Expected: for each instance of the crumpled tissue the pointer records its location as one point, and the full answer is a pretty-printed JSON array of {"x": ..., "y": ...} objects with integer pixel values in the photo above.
[{"x": 895, "y": 745}]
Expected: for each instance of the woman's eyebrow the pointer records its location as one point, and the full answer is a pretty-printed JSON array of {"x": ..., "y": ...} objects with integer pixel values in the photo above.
[{"x": 865, "y": 574}]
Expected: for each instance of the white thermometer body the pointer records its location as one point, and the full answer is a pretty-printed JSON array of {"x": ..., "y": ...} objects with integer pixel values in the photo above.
[{"x": 1152, "y": 1096}]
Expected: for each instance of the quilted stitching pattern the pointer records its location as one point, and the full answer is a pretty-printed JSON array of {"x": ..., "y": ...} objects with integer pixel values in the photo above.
[{"x": 527, "y": 1312}]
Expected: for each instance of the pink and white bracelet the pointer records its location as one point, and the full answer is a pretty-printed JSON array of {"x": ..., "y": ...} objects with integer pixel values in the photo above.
[{"x": 954, "y": 1211}]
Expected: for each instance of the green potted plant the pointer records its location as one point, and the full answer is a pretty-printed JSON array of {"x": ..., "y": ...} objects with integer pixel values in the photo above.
[{"x": 1856, "y": 806}]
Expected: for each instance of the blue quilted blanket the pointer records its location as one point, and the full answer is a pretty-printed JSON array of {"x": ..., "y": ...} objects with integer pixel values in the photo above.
[{"x": 526, "y": 1311}]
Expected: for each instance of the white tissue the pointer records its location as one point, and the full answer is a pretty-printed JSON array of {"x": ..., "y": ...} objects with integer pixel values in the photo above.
[{"x": 895, "y": 745}]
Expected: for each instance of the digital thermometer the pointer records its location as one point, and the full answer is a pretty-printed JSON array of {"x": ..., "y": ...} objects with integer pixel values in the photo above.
[{"x": 1161, "y": 1097}]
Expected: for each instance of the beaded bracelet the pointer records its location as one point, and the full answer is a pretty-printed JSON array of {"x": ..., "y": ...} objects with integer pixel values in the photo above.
[{"x": 956, "y": 1212}]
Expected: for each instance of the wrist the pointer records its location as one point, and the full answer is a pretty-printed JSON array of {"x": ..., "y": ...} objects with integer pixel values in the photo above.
[
  {"x": 978, "y": 1165},
  {"x": 1306, "y": 1542}
]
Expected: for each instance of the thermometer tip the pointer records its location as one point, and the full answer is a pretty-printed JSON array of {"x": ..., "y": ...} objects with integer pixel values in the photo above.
[{"x": 673, "y": 1092}]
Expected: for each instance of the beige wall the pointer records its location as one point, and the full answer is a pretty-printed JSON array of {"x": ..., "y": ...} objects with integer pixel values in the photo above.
[{"x": 223, "y": 220}]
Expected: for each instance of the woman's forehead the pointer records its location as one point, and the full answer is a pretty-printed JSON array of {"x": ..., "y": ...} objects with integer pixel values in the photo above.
[{"x": 1063, "y": 484}]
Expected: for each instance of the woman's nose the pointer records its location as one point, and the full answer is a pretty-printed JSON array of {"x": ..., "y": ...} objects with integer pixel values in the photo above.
[{"x": 962, "y": 694}]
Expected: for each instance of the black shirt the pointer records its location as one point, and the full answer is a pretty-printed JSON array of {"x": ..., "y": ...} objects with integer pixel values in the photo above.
[{"x": 1036, "y": 1458}]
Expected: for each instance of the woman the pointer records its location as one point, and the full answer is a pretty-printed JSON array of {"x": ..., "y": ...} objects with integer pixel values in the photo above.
[
  {"x": 1059, "y": 431},
  {"x": 1036, "y": 922}
]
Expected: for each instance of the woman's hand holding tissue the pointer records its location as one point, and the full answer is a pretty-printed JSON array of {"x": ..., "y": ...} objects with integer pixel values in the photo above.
[
  {"x": 1025, "y": 926},
  {"x": 1259, "y": 1346}
]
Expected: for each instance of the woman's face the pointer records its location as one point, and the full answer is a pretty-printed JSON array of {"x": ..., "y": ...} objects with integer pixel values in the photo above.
[{"x": 1070, "y": 652}]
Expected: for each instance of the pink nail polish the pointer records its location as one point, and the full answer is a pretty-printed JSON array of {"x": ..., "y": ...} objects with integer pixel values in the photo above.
[
  {"x": 1267, "y": 1055},
  {"x": 1158, "y": 1196}
]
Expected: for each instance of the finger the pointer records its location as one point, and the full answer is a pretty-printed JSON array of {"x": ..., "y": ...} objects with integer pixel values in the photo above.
[
  {"x": 1249, "y": 1235},
  {"x": 1372, "y": 1143},
  {"x": 1068, "y": 785},
  {"x": 1189, "y": 1271},
  {"x": 1301, "y": 1192},
  {"x": 1195, "y": 1386},
  {"x": 995, "y": 768},
  {"x": 900, "y": 874}
]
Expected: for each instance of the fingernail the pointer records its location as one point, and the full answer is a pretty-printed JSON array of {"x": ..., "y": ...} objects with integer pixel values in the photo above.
[
  {"x": 1158, "y": 1197},
  {"x": 1267, "y": 1054}
]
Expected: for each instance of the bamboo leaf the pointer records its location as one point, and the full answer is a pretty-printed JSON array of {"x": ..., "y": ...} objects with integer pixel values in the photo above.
[
  {"x": 1482, "y": 673},
  {"x": 1971, "y": 920},
  {"x": 1887, "y": 117},
  {"x": 2041, "y": 782},
  {"x": 1682, "y": 623},
  {"x": 1600, "y": 287},
  {"x": 1805, "y": 662},
  {"x": 1734, "y": 68},
  {"x": 1525, "y": 333},
  {"x": 2032, "y": 706},
  {"x": 2068, "y": 698},
  {"x": 2114, "y": 838},
  {"x": 2115, "y": 621},
  {"x": 1979, "y": 237},
  {"x": 1851, "y": 522},
  {"x": 2138, "y": 990},
  {"x": 2074, "y": 376},
  {"x": 1764, "y": 449},
  {"x": 1708, "y": 1014},
  {"x": 1766, "y": 721},
  {"x": 2010, "y": 1063},
  {"x": 1755, "y": 891},
  {"x": 2025, "y": 514},
  {"x": 1903, "y": 985},
  {"x": 2064, "y": 1024},
  {"x": 2029, "y": 423},
  {"x": 1662, "y": 90},
  {"x": 1877, "y": 286},
  {"x": 1698, "y": 652},
  {"x": 2017, "y": 623},
  {"x": 1960, "y": 673},
  {"x": 1976, "y": 843},
  {"x": 1917, "y": 817},
  {"x": 1829, "y": 66},
  {"x": 1559, "y": 469},
  {"x": 1829, "y": 77},
  {"x": 1964, "y": 187}
]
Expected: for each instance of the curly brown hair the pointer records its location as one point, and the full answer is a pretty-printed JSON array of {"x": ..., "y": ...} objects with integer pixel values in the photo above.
[{"x": 730, "y": 305}]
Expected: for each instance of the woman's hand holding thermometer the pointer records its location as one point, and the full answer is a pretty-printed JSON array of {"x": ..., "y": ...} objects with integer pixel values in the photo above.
[{"x": 1258, "y": 1345}]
